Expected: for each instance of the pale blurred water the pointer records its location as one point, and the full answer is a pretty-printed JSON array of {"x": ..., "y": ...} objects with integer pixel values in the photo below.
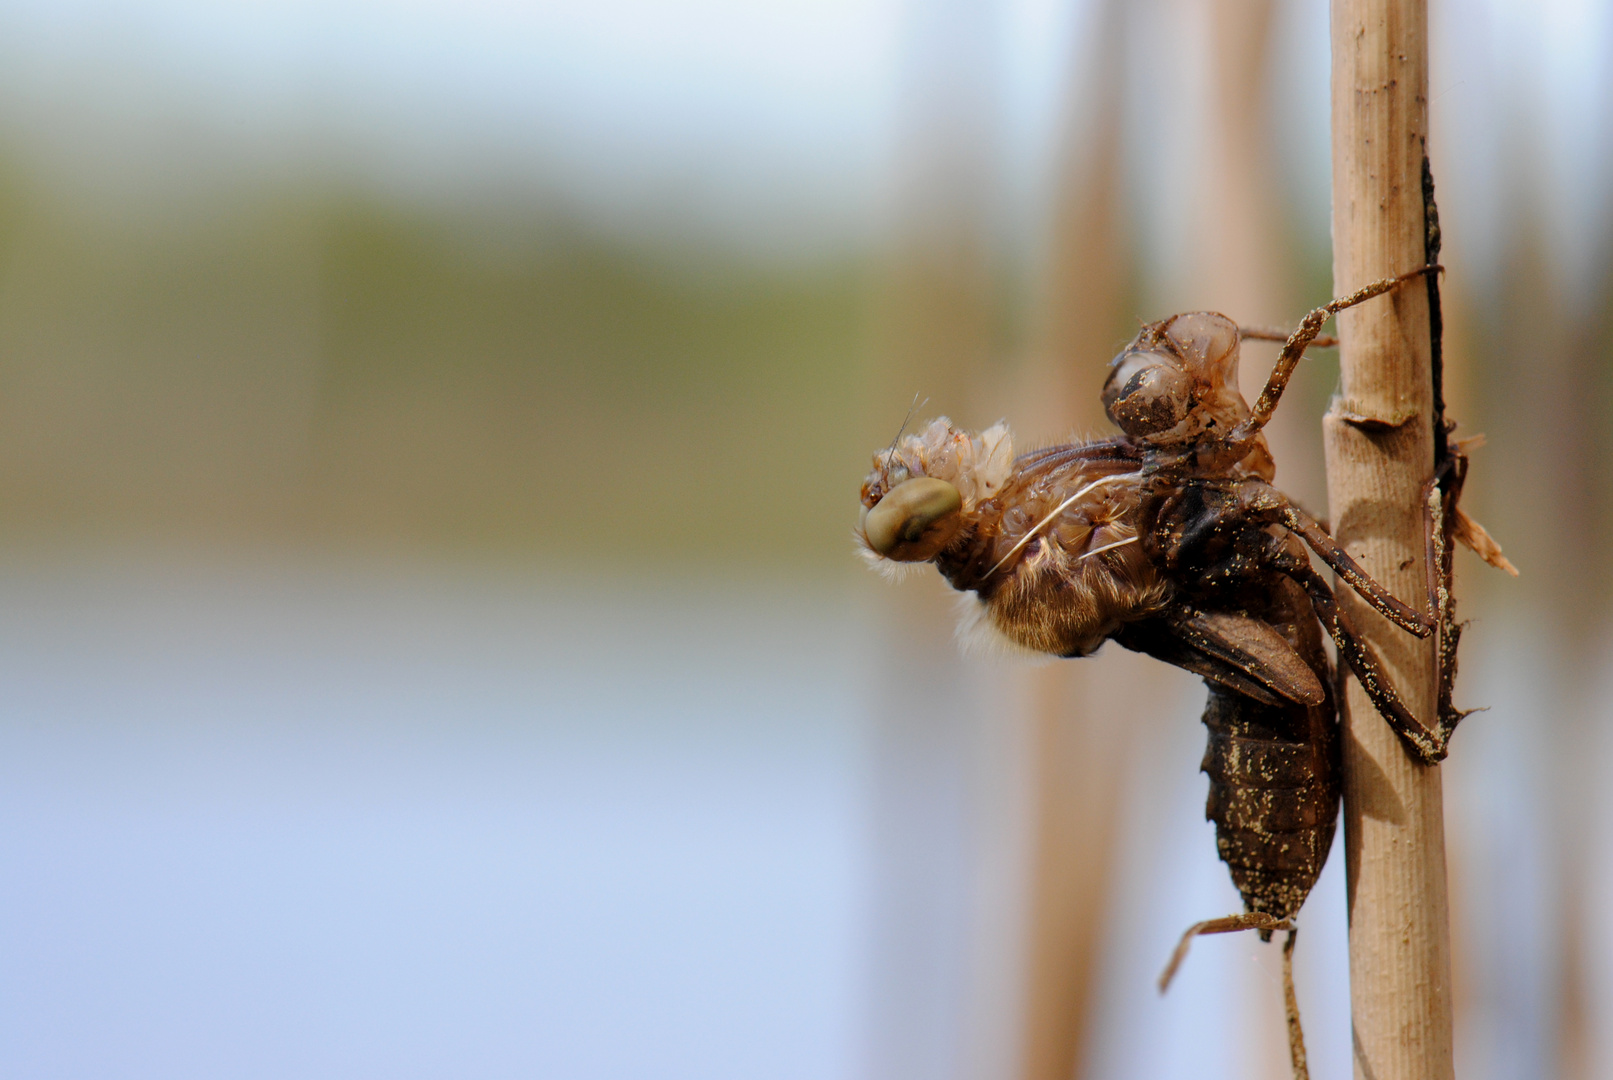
[
  {"x": 320, "y": 820},
  {"x": 310, "y": 821}
]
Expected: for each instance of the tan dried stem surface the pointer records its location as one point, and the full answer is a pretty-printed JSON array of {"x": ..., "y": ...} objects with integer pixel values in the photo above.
[{"x": 1379, "y": 454}]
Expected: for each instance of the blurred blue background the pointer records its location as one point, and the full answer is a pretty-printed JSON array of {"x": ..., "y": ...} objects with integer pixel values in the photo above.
[{"x": 429, "y": 440}]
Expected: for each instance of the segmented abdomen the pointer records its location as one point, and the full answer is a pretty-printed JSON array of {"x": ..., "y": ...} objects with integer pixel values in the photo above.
[{"x": 1274, "y": 795}]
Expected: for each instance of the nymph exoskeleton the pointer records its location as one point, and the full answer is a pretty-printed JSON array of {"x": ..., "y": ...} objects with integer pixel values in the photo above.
[{"x": 1171, "y": 540}]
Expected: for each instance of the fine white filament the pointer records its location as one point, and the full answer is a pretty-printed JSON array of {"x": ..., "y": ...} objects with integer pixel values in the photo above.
[{"x": 1057, "y": 510}]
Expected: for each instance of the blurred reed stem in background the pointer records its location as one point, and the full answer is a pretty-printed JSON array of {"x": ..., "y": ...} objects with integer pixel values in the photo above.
[
  {"x": 937, "y": 1005},
  {"x": 1544, "y": 347},
  {"x": 1080, "y": 736},
  {"x": 1237, "y": 263}
]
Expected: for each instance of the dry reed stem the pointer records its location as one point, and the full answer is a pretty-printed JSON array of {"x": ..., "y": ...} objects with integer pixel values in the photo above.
[{"x": 1379, "y": 443}]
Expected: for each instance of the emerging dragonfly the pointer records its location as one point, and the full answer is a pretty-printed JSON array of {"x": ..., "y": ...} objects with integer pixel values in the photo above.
[{"x": 1170, "y": 540}]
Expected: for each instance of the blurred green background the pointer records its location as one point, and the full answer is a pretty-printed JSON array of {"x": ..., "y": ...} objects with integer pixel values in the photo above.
[{"x": 319, "y": 366}]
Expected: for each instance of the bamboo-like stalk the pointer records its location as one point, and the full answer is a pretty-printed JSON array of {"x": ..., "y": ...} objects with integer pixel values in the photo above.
[{"x": 1379, "y": 443}]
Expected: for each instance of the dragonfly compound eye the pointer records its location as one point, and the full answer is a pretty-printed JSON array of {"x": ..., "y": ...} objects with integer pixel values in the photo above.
[
  {"x": 903, "y": 525},
  {"x": 1147, "y": 393}
]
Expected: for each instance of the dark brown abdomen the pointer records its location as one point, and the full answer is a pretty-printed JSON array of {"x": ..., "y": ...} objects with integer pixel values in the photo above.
[{"x": 1274, "y": 795}]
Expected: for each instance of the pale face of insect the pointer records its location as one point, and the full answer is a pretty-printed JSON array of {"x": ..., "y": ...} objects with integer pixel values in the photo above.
[{"x": 924, "y": 489}]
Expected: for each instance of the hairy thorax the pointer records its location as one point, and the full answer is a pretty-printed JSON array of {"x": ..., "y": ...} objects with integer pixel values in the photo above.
[
  {"x": 1047, "y": 542},
  {"x": 1055, "y": 564}
]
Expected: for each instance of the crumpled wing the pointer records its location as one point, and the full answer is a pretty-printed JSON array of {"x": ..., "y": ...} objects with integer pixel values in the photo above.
[
  {"x": 1255, "y": 648},
  {"x": 1239, "y": 652}
]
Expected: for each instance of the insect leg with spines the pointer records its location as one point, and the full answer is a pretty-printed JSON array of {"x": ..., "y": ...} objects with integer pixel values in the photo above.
[
  {"x": 1171, "y": 541},
  {"x": 1306, "y": 333},
  {"x": 1259, "y": 505}
]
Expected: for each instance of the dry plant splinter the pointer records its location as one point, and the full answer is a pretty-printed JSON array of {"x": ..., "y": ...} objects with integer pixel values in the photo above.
[{"x": 1171, "y": 541}]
